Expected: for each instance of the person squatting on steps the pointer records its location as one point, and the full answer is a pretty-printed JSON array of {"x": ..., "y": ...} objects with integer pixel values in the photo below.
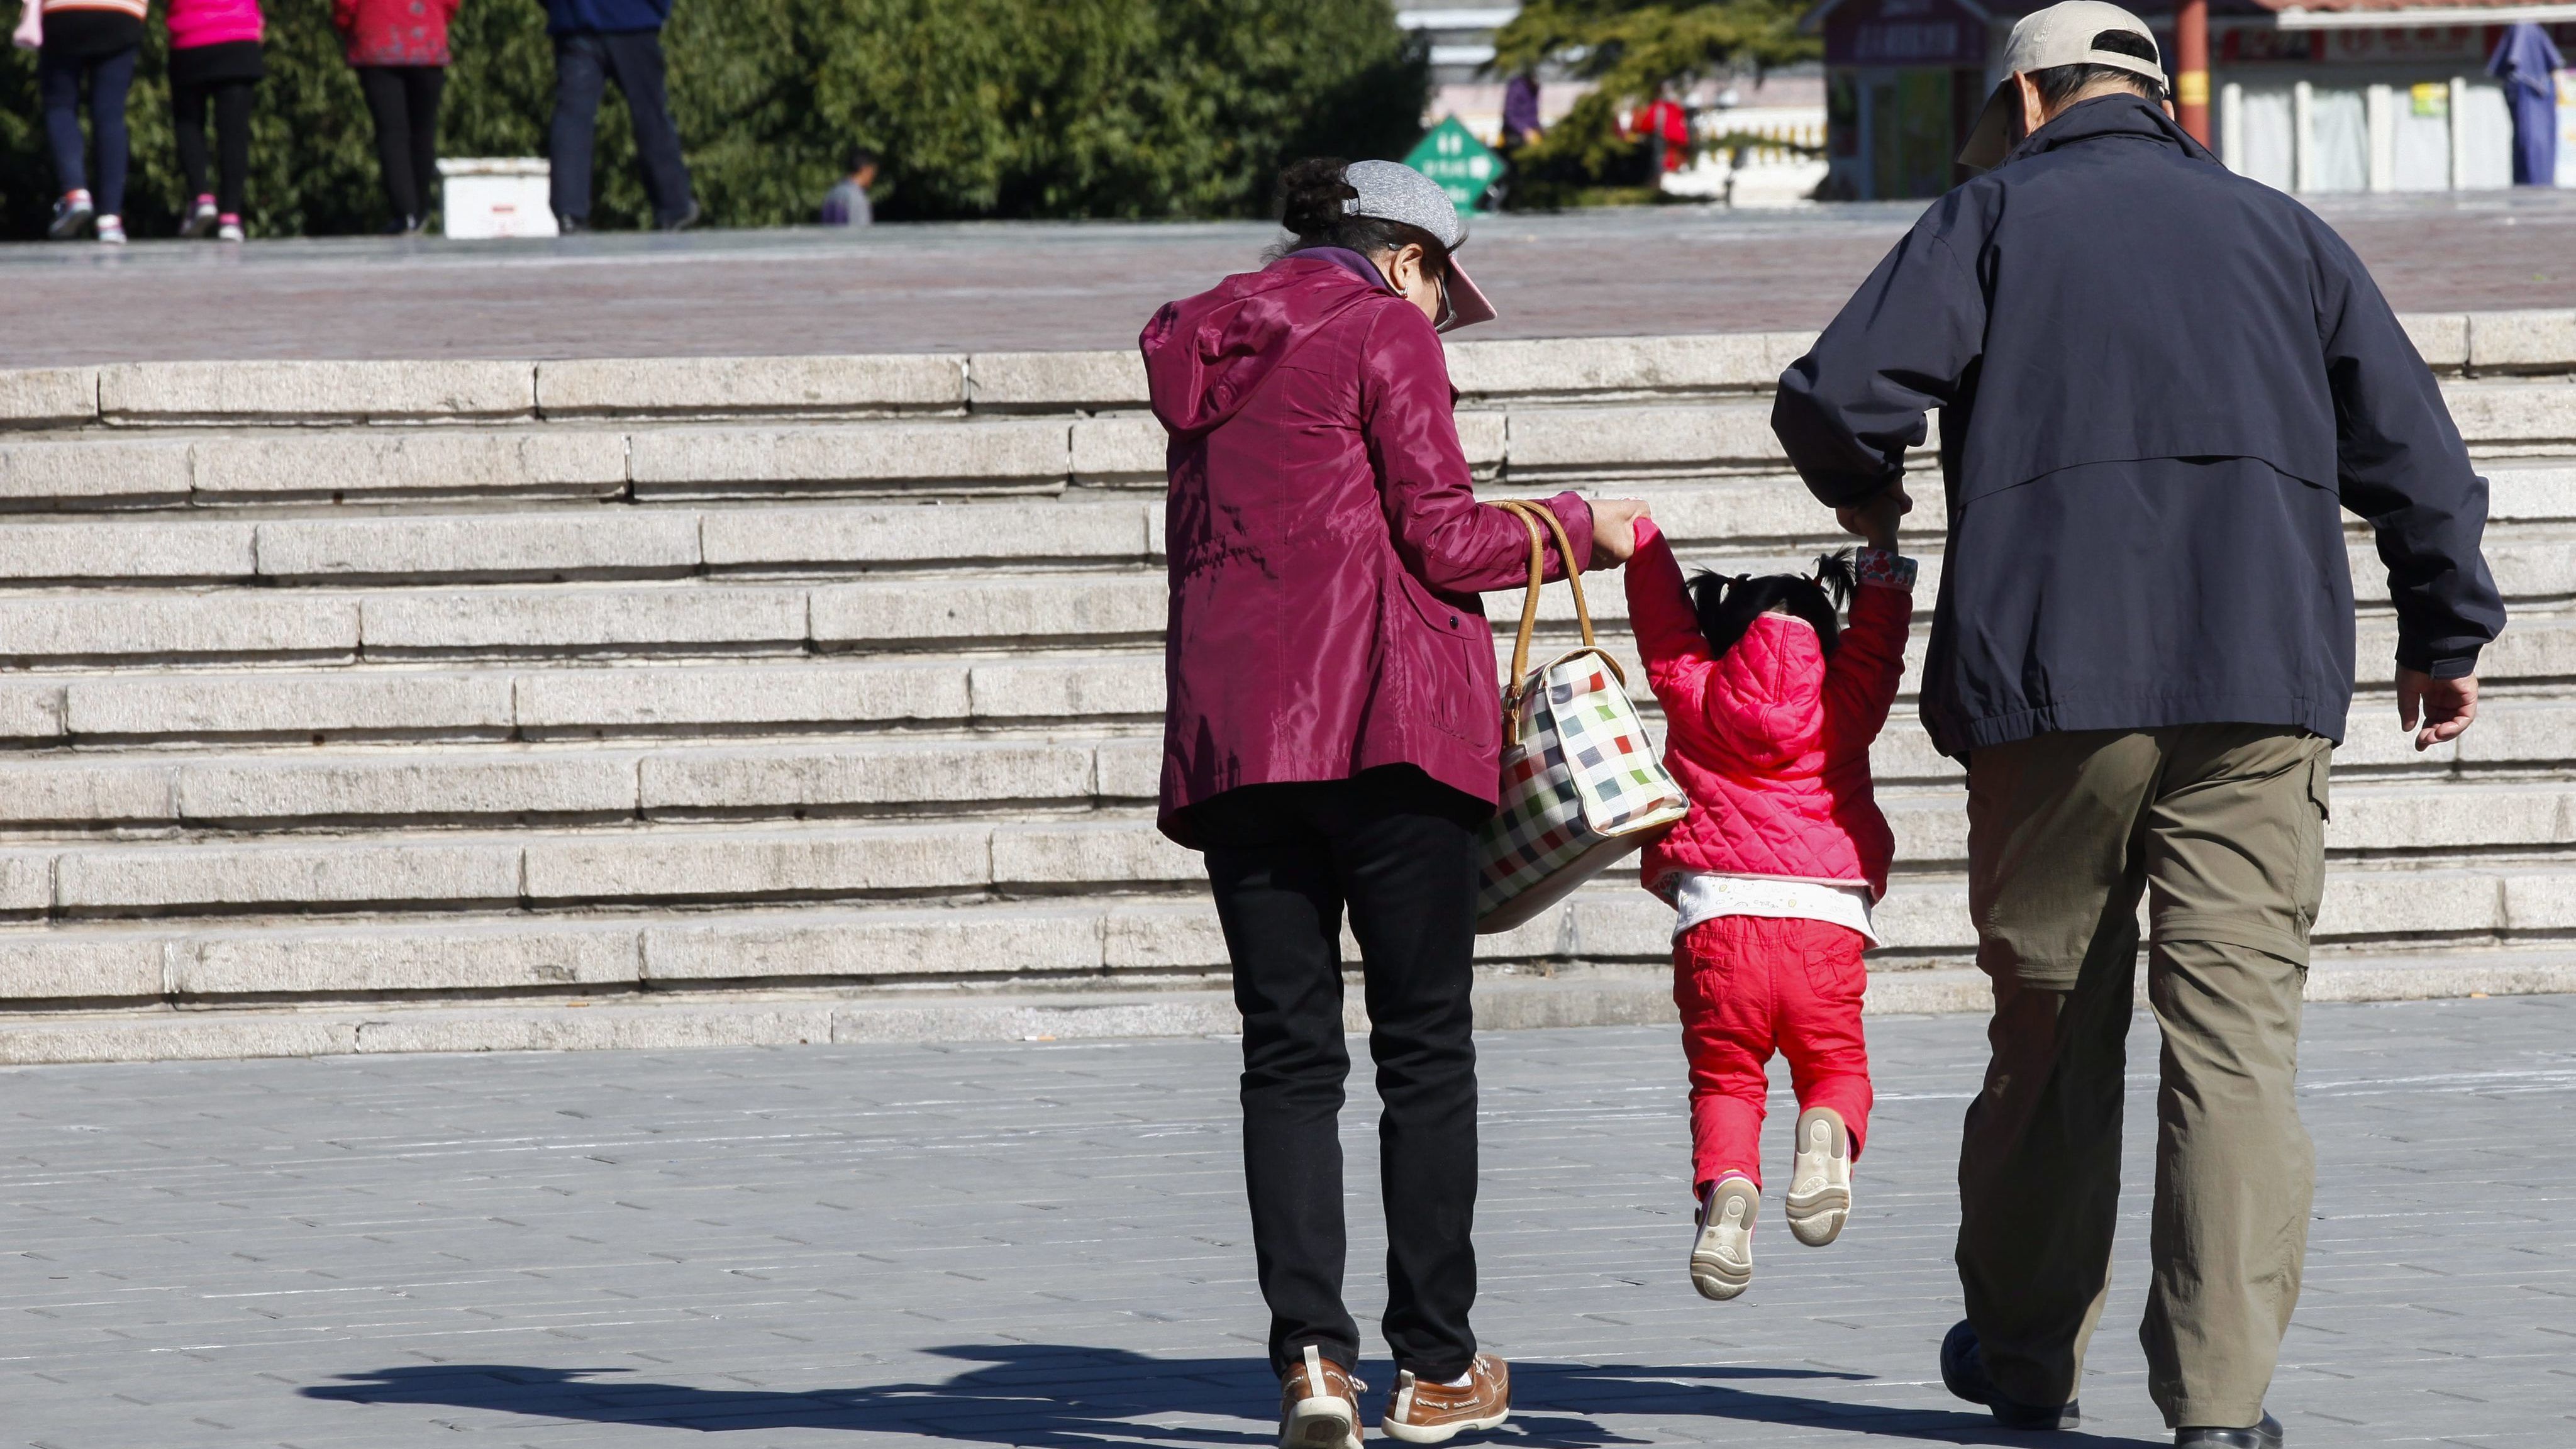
[
  {"x": 214, "y": 62},
  {"x": 94, "y": 42},
  {"x": 1769, "y": 708},
  {"x": 2158, "y": 381},
  {"x": 1332, "y": 739}
]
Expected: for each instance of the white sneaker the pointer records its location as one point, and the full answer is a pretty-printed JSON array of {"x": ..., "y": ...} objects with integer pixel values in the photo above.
[
  {"x": 1721, "y": 1260},
  {"x": 228, "y": 231},
  {"x": 1820, "y": 1179},
  {"x": 111, "y": 231}
]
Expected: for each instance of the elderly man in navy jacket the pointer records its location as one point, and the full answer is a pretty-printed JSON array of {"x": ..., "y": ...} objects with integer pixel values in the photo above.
[
  {"x": 597, "y": 41},
  {"x": 2160, "y": 385}
]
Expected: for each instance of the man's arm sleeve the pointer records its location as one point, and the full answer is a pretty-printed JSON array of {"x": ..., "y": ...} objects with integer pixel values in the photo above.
[
  {"x": 2400, "y": 463},
  {"x": 1847, "y": 411}
]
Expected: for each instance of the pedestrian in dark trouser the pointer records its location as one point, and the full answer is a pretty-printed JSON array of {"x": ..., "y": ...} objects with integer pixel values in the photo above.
[
  {"x": 596, "y": 42},
  {"x": 214, "y": 61},
  {"x": 2158, "y": 381},
  {"x": 96, "y": 41},
  {"x": 399, "y": 50},
  {"x": 1332, "y": 739}
]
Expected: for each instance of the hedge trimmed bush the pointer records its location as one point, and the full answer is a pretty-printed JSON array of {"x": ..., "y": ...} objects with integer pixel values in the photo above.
[{"x": 981, "y": 108}]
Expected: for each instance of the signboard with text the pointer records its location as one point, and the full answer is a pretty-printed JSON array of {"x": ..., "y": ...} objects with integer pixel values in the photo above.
[{"x": 1464, "y": 166}]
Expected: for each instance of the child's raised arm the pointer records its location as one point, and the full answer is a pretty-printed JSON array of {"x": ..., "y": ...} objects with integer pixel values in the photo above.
[
  {"x": 1861, "y": 678},
  {"x": 1659, "y": 610}
]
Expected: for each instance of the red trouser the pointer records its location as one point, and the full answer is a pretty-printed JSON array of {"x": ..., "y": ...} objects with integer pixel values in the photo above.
[{"x": 1747, "y": 985}]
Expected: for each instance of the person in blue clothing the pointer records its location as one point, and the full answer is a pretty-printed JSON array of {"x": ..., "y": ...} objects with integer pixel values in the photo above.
[
  {"x": 598, "y": 41},
  {"x": 2528, "y": 65}
]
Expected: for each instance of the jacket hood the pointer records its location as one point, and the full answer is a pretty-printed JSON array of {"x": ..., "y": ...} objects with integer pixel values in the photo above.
[
  {"x": 1205, "y": 356},
  {"x": 2124, "y": 114}
]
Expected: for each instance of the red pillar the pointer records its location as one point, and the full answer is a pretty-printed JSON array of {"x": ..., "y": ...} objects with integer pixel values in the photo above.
[{"x": 2191, "y": 68}]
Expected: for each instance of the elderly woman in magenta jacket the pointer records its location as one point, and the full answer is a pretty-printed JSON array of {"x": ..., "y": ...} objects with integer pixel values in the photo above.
[{"x": 1332, "y": 738}]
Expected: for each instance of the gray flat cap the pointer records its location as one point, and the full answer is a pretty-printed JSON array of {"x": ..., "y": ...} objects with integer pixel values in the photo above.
[{"x": 1393, "y": 191}]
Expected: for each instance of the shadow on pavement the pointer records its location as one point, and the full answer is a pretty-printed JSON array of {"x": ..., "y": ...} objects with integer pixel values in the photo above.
[{"x": 1049, "y": 1396}]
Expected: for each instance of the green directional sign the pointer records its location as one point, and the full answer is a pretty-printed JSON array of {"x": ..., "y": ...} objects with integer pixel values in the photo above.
[{"x": 1463, "y": 165}]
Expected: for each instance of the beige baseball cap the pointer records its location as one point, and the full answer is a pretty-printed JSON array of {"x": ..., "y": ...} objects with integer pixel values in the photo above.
[{"x": 2062, "y": 34}]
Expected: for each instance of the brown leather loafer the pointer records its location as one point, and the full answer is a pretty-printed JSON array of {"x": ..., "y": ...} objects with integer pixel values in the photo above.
[
  {"x": 1429, "y": 1413},
  {"x": 1319, "y": 1405}
]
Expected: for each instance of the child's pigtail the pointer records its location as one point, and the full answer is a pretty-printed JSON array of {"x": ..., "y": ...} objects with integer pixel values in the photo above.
[{"x": 1839, "y": 574}]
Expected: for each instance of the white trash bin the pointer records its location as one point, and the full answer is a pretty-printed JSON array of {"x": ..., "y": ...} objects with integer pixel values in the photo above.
[{"x": 489, "y": 196}]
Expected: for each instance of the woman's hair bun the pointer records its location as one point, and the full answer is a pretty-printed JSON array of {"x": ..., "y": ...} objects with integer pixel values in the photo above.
[{"x": 1311, "y": 193}]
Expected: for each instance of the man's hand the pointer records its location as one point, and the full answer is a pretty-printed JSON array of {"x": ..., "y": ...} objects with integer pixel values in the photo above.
[
  {"x": 1875, "y": 520},
  {"x": 1614, "y": 528},
  {"x": 2447, "y": 706}
]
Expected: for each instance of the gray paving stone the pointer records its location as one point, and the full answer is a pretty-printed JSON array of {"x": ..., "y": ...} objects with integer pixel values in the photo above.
[{"x": 1033, "y": 1244}]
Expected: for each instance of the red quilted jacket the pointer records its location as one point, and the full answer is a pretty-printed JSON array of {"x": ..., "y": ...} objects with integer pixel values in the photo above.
[{"x": 1771, "y": 743}]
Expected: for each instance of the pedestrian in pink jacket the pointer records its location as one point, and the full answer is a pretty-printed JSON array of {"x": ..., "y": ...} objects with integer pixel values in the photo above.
[
  {"x": 214, "y": 61},
  {"x": 399, "y": 50},
  {"x": 1770, "y": 706},
  {"x": 1332, "y": 738}
]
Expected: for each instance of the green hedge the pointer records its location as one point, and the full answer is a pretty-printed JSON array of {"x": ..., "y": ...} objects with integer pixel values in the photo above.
[{"x": 982, "y": 108}]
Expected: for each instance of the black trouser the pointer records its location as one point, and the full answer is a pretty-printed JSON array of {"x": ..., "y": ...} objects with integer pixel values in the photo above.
[
  {"x": 584, "y": 65},
  {"x": 404, "y": 101},
  {"x": 230, "y": 101},
  {"x": 1398, "y": 849}
]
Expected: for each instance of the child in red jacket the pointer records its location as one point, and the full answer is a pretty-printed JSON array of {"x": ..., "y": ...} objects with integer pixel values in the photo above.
[{"x": 1770, "y": 708}]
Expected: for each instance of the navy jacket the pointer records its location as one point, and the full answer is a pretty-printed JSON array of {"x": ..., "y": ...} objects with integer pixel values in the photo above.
[
  {"x": 2160, "y": 384},
  {"x": 605, "y": 17}
]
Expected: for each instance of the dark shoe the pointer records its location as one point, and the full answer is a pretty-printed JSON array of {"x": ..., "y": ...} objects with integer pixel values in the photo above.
[
  {"x": 572, "y": 225},
  {"x": 686, "y": 219},
  {"x": 2266, "y": 1435},
  {"x": 403, "y": 226},
  {"x": 1963, "y": 1372}
]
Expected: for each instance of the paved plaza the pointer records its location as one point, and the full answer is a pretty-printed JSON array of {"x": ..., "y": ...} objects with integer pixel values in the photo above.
[
  {"x": 1059, "y": 286},
  {"x": 1043, "y": 1245}
]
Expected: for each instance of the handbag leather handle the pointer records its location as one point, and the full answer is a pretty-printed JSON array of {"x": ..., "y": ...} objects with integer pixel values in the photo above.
[{"x": 1532, "y": 514}]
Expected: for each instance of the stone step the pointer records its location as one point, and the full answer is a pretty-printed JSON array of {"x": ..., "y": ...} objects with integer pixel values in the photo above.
[
  {"x": 1006, "y": 453},
  {"x": 153, "y": 701},
  {"x": 1138, "y": 939},
  {"x": 137, "y": 791},
  {"x": 581, "y": 1016},
  {"x": 1751, "y": 525},
  {"x": 703, "y": 617},
  {"x": 304, "y": 393},
  {"x": 766, "y": 854},
  {"x": 918, "y": 771}
]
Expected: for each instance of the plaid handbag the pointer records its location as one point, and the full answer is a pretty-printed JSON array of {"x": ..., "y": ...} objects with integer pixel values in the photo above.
[{"x": 1581, "y": 783}]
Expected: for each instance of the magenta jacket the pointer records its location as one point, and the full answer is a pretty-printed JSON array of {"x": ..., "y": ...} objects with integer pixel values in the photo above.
[
  {"x": 394, "y": 32},
  {"x": 1326, "y": 548},
  {"x": 212, "y": 22},
  {"x": 1771, "y": 743}
]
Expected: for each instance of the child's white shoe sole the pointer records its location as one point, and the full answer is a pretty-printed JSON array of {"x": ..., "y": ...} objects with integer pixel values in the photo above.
[
  {"x": 1721, "y": 1261},
  {"x": 1820, "y": 1192}
]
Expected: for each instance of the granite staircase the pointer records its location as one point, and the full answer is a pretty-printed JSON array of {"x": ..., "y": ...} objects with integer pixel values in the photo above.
[{"x": 464, "y": 706}]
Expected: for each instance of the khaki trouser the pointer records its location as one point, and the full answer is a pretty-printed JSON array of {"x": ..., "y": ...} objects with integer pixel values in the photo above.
[{"x": 2222, "y": 827}]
